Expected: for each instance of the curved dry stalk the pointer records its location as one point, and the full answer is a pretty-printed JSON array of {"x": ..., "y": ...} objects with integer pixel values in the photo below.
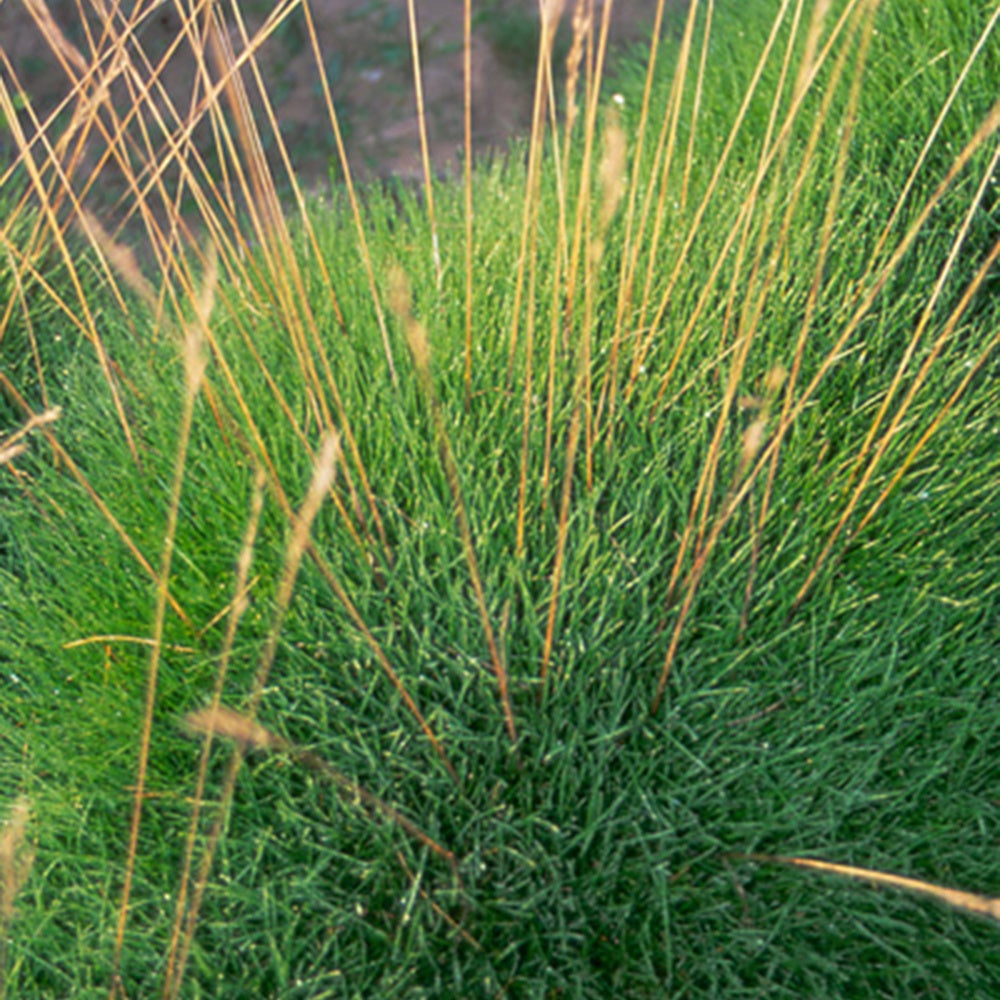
[
  {"x": 611, "y": 174},
  {"x": 985, "y": 131},
  {"x": 939, "y": 344},
  {"x": 194, "y": 371},
  {"x": 425, "y": 155},
  {"x": 467, "y": 184},
  {"x": 64, "y": 458},
  {"x": 294, "y": 304},
  {"x": 632, "y": 242},
  {"x": 969, "y": 902},
  {"x": 88, "y": 324},
  {"x": 352, "y": 196},
  {"x": 258, "y": 190},
  {"x": 550, "y": 13},
  {"x": 249, "y": 735},
  {"x": 324, "y": 473},
  {"x": 651, "y": 328},
  {"x": 177, "y": 955}
]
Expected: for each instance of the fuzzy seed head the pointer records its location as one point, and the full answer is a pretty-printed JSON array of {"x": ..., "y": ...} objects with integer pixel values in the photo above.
[
  {"x": 231, "y": 725},
  {"x": 612, "y": 171},
  {"x": 753, "y": 438},
  {"x": 775, "y": 379},
  {"x": 16, "y": 858}
]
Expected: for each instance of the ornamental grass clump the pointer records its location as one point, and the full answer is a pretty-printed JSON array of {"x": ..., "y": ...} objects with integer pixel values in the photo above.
[{"x": 468, "y": 585}]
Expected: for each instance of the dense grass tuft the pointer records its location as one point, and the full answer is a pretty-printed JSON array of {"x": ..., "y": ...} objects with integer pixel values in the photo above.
[{"x": 447, "y": 590}]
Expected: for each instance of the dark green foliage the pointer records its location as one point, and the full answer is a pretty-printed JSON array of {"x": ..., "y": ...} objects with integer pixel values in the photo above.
[{"x": 597, "y": 858}]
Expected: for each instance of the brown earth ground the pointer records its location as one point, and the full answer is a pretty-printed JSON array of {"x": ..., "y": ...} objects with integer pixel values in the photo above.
[{"x": 367, "y": 56}]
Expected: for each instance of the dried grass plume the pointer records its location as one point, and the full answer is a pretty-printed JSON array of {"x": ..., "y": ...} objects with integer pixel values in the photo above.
[
  {"x": 16, "y": 858},
  {"x": 10, "y": 448},
  {"x": 231, "y": 725}
]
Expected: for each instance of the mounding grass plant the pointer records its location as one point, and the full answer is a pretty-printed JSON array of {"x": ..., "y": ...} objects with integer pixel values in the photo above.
[{"x": 458, "y": 591}]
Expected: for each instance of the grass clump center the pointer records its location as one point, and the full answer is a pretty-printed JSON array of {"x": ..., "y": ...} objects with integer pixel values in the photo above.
[{"x": 532, "y": 551}]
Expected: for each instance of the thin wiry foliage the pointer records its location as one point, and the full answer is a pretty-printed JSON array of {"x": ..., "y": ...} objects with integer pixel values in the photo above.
[{"x": 603, "y": 338}]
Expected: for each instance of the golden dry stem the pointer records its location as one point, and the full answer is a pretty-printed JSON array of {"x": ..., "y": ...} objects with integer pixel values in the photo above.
[
  {"x": 251, "y": 735},
  {"x": 970, "y": 902}
]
